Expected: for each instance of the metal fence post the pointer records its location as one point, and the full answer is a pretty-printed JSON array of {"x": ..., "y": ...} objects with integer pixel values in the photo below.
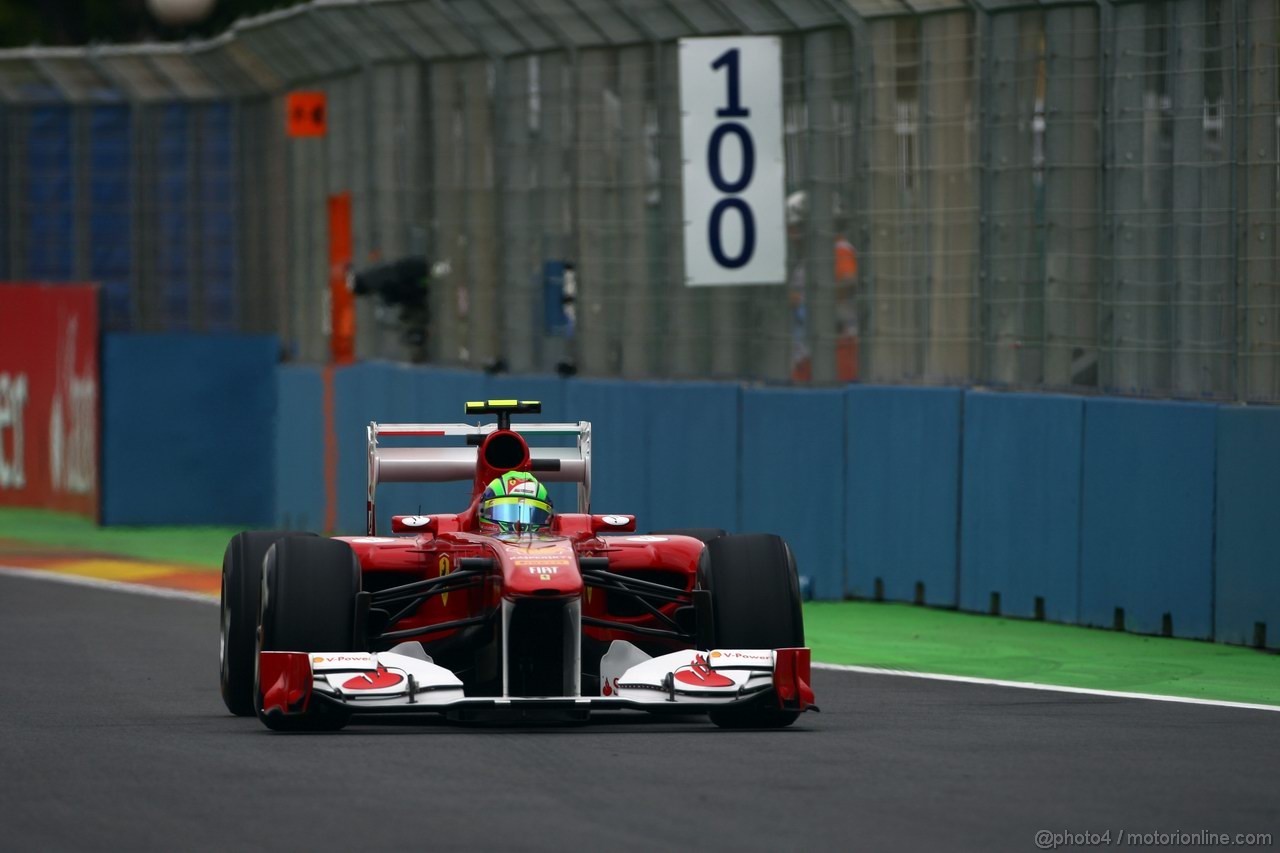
[
  {"x": 594, "y": 75},
  {"x": 448, "y": 291},
  {"x": 685, "y": 309},
  {"x": 521, "y": 313},
  {"x": 482, "y": 245},
  {"x": 634, "y": 304},
  {"x": 1200, "y": 292},
  {"x": 1260, "y": 301},
  {"x": 1071, "y": 166},
  {"x": 951, "y": 201},
  {"x": 819, "y": 296},
  {"x": 552, "y": 204},
  {"x": 889, "y": 169}
]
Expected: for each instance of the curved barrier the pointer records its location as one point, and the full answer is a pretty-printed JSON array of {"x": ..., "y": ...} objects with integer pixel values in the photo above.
[
  {"x": 1247, "y": 556},
  {"x": 1020, "y": 505},
  {"x": 793, "y": 478},
  {"x": 1146, "y": 546},
  {"x": 904, "y": 492}
]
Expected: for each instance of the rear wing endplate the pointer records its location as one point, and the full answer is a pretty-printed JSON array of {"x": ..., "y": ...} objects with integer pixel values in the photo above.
[{"x": 450, "y": 464}]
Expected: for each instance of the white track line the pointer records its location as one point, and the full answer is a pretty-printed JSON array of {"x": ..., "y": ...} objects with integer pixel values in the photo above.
[
  {"x": 184, "y": 595},
  {"x": 100, "y": 583},
  {"x": 1031, "y": 685}
]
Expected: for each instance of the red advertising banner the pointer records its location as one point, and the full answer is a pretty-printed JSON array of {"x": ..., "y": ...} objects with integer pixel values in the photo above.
[{"x": 49, "y": 384}]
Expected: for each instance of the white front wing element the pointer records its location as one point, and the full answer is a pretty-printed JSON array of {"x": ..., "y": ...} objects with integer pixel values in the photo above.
[
  {"x": 689, "y": 676},
  {"x": 407, "y": 679},
  {"x": 382, "y": 679}
]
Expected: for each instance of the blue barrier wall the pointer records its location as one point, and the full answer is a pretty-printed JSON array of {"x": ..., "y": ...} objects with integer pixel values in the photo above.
[
  {"x": 396, "y": 393},
  {"x": 621, "y": 480},
  {"x": 655, "y": 447},
  {"x": 187, "y": 429},
  {"x": 1247, "y": 581},
  {"x": 299, "y": 457},
  {"x": 903, "y": 478},
  {"x": 694, "y": 443},
  {"x": 628, "y": 420},
  {"x": 1020, "y": 516},
  {"x": 1147, "y": 522},
  {"x": 791, "y": 481},
  {"x": 1089, "y": 504}
]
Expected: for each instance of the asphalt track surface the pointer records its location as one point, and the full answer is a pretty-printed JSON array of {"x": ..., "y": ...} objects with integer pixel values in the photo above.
[{"x": 113, "y": 737}]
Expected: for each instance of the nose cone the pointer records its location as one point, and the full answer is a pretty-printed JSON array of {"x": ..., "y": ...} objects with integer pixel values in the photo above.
[{"x": 539, "y": 566}]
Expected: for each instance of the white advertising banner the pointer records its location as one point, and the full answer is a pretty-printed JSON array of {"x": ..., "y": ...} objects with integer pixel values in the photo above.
[{"x": 731, "y": 144}]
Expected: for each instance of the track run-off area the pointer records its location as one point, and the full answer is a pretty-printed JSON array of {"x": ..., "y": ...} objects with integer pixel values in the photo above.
[{"x": 113, "y": 736}]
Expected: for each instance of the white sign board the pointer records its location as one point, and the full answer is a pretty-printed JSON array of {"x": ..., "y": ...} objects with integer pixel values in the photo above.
[{"x": 731, "y": 144}]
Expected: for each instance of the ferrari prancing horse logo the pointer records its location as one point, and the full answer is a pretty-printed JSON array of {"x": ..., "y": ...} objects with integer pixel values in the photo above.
[{"x": 444, "y": 570}]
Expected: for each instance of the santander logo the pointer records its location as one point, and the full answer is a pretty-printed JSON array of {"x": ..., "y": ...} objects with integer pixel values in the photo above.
[
  {"x": 13, "y": 402},
  {"x": 373, "y": 680},
  {"x": 700, "y": 674},
  {"x": 72, "y": 422}
]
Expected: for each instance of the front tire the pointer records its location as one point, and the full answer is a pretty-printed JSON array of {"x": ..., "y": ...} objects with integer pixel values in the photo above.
[
  {"x": 238, "y": 618},
  {"x": 755, "y": 604},
  {"x": 309, "y": 589}
]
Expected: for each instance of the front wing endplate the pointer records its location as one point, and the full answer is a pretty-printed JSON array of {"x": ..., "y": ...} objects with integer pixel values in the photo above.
[{"x": 396, "y": 683}]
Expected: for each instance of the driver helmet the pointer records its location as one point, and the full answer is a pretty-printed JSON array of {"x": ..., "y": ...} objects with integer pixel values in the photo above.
[{"x": 515, "y": 503}]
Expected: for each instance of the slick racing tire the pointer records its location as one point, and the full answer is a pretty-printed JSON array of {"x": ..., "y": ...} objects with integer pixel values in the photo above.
[
  {"x": 702, "y": 534},
  {"x": 241, "y": 588},
  {"x": 309, "y": 589},
  {"x": 755, "y": 604}
]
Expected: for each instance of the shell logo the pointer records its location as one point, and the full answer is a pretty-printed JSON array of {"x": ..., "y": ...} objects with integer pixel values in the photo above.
[
  {"x": 317, "y": 660},
  {"x": 715, "y": 654}
]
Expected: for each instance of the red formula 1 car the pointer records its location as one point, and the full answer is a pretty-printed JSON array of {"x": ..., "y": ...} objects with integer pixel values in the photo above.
[{"x": 540, "y": 622}]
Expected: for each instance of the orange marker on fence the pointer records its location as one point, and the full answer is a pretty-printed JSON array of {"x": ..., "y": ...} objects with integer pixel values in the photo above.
[{"x": 306, "y": 114}]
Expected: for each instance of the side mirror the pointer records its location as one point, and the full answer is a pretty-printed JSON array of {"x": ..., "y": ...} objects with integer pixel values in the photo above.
[
  {"x": 412, "y": 524},
  {"x": 613, "y": 524}
]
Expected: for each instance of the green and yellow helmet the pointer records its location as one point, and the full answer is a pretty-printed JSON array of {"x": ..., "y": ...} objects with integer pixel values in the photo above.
[{"x": 515, "y": 503}]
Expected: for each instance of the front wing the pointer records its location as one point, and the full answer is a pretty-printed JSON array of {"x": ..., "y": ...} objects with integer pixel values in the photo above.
[{"x": 404, "y": 681}]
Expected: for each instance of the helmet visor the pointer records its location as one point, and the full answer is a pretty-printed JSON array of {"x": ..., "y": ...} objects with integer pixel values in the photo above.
[{"x": 510, "y": 512}]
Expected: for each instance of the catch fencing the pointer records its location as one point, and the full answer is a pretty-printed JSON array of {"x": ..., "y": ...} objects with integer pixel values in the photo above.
[{"x": 1051, "y": 195}]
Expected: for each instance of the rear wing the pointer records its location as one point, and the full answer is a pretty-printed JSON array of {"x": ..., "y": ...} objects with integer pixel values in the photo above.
[{"x": 449, "y": 464}]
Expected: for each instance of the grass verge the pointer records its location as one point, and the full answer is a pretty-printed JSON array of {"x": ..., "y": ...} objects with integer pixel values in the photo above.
[
  {"x": 903, "y": 636},
  {"x": 195, "y": 547}
]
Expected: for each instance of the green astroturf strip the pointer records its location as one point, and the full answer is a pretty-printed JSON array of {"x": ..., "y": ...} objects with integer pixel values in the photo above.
[
  {"x": 196, "y": 547},
  {"x": 896, "y": 636},
  {"x": 902, "y": 636}
]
